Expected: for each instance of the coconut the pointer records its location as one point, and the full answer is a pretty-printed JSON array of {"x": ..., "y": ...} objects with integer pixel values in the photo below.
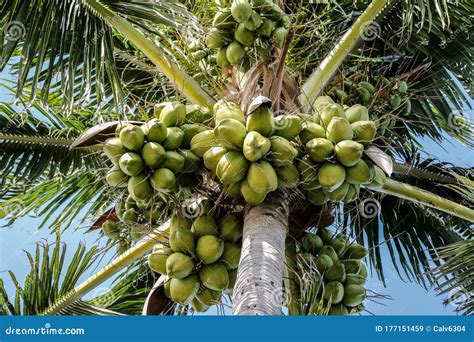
[
  {"x": 192, "y": 162},
  {"x": 183, "y": 290},
  {"x": 116, "y": 177},
  {"x": 179, "y": 222},
  {"x": 179, "y": 265},
  {"x": 329, "y": 251},
  {"x": 253, "y": 22},
  {"x": 232, "y": 190},
  {"x": 198, "y": 306},
  {"x": 341, "y": 95},
  {"x": 330, "y": 111},
  {"x": 204, "y": 225},
  {"x": 212, "y": 157},
  {"x": 232, "y": 167},
  {"x": 130, "y": 215},
  {"x": 336, "y": 272},
  {"x": 357, "y": 112},
  {"x": 338, "y": 194},
  {"x": 182, "y": 240},
  {"x": 241, "y": 10},
  {"x": 282, "y": 151},
  {"x": 198, "y": 56},
  {"x": 316, "y": 196},
  {"x": 338, "y": 310},
  {"x": 309, "y": 259},
  {"x": 153, "y": 154},
  {"x": 231, "y": 255},
  {"x": 279, "y": 36},
  {"x": 235, "y": 53},
  {"x": 232, "y": 281},
  {"x": 334, "y": 292},
  {"x": 230, "y": 227},
  {"x": 261, "y": 120},
  {"x": 395, "y": 101},
  {"x": 255, "y": 146},
  {"x": 310, "y": 131},
  {"x": 355, "y": 251},
  {"x": 364, "y": 131},
  {"x": 173, "y": 161},
  {"x": 257, "y": 3},
  {"x": 364, "y": 95},
  {"x": 353, "y": 295},
  {"x": 215, "y": 38},
  {"x": 308, "y": 170},
  {"x": 173, "y": 114},
  {"x": 131, "y": 163},
  {"x": 163, "y": 180},
  {"x": 230, "y": 134},
  {"x": 326, "y": 235},
  {"x": 139, "y": 187},
  {"x": 355, "y": 266},
  {"x": 223, "y": 19},
  {"x": 154, "y": 130},
  {"x": 288, "y": 126},
  {"x": 355, "y": 279},
  {"x": 288, "y": 176},
  {"x": 202, "y": 142},
  {"x": 320, "y": 103},
  {"x": 228, "y": 110},
  {"x": 262, "y": 177},
  {"x": 111, "y": 229},
  {"x": 339, "y": 245},
  {"x": 152, "y": 215},
  {"x": 209, "y": 249},
  {"x": 251, "y": 196},
  {"x": 244, "y": 36},
  {"x": 379, "y": 178},
  {"x": 323, "y": 262},
  {"x": 114, "y": 149},
  {"x": 331, "y": 176},
  {"x": 348, "y": 152},
  {"x": 320, "y": 149},
  {"x": 312, "y": 243},
  {"x": 352, "y": 193},
  {"x": 132, "y": 137},
  {"x": 221, "y": 57},
  {"x": 157, "y": 259},
  {"x": 266, "y": 28},
  {"x": 339, "y": 129},
  {"x": 214, "y": 276},
  {"x": 207, "y": 296},
  {"x": 370, "y": 87},
  {"x": 190, "y": 130},
  {"x": 402, "y": 87},
  {"x": 198, "y": 114},
  {"x": 360, "y": 173},
  {"x": 174, "y": 138}
]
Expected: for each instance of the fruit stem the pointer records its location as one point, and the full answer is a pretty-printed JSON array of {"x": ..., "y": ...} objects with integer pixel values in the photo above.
[
  {"x": 134, "y": 253},
  {"x": 325, "y": 71},
  {"x": 417, "y": 195},
  {"x": 182, "y": 81}
]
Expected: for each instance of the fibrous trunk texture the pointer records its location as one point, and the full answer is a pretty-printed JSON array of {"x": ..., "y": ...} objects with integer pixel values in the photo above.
[{"x": 259, "y": 286}]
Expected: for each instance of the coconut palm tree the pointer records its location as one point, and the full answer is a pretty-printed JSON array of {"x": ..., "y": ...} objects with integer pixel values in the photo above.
[{"x": 83, "y": 63}]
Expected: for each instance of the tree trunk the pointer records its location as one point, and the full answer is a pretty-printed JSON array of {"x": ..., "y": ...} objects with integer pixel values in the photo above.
[{"x": 259, "y": 286}]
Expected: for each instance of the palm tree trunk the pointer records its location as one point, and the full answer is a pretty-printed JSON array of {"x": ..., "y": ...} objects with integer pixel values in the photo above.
[{"x": 259, "y": 286}]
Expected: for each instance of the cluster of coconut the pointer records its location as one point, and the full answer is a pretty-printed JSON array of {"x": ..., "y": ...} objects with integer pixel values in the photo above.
[
  {"x": 242, "y": 26},
  {"x": 200, "y": 259},
  {"x": 251, "y": 156},
  {"x": 334, "y": 138},
  {"x": 340, "y": 272}
]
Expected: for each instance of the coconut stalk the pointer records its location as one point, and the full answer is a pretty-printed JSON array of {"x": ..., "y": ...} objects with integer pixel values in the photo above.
[
  {"x": 259, "y": 286},
  {"x": 420, "y": 196},
  {"x": 140, "y": 249},
  {"x": 182, "y": 81},
  {"x": 328, "y": 67}
]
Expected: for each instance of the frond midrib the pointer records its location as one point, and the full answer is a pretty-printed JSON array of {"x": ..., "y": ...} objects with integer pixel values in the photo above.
[{"x": 38, "y": 140}]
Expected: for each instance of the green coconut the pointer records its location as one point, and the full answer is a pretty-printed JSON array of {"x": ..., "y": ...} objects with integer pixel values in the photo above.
[
  {"x": 230, "y": 134},
  {"x": 231, "y": 227},
  {"x": 183, "y": 290},
  {"x": 320, "y": 149},
  {"x": 339, "y": 245},
  {"x": 282, "y": 152},
  {"x": 338, "y": 310},
  {"x": 360, "y": 173},
  {"x": 266, "y": 28},
  {"x": 338, "y": 194},
  {"x": 317, "y": 196},
  {"x": 202, "y": 142},
  {"x": 279, "y": 36},
  {"x": 204, "y": 225},
  {"x": 223, "y": 19},
  {"x": 250, "y": 195},
  {"x": 174, "y": 138},
  {"x": 288, "y": 126},
  {"x": 311, "y": 131},
  {"x": 235, "y": 53},
  {"x": 154, "y": 130},
  {"x": 178, "y": 265},
  {"x": 261, "y": 120},
  {"x": 131, "y": 163},
  {"x": 132, "y": 137},
  {"x": 130, "y": 215},
  {"x": 139, "y": 187},
  {"x": 323, "y": 262},
  {"x": 355, "y": 251},
  {"x": 198, "y": 306},
  {"x": 173, "y": 161},
  {"x": 348, "y": 152},
  {"x": 326, "y": 235},
  {"x": 336, "y": 272},
  {"x": 212, "y": 156},
  {"x": 114, "y": 149},
  {"x": 190, "y": 130},
  {"x": 182, "y": 240},
  {"x": 179, "y": 222},
  {"x": 111, "y": 229},
  {"x": 353, "y": 295},
  {"x": 334, "y": 292},
  {"x": 262, "y": 177},
  {"x": 331, "y": 176},
  {"x": 214, "y": 276},
  {"x": 241, "y": 10},
  {"x": 329, "y": 111},
  {"x": 329, "y": 251},
  {"x": 215, "y": 38},
  {"x": 173, "y": 114},
  {"x": 288, "y": 176},
  {"x": 255, "y": 146},
  {"x": 207, "y": 296},
  {"x": 339, "y": 129},
  {"x": 379, "y": 178},
  {"x": 221, "y": 57},
  {"x": 231, "y": 255},
  {"x": 224, "y": 109},
  {"x": 209, "y": 249},
  {"x": 364, "y": 131},
  {"x": 163, "y": 180},
  {"x": 153, "y": 154},
  {"x": 116, "y": 177},
  {"x": 244, "y": 36},
  {"x": 253, "y": 22},
  {"x": 352, "y": 193},
  {"x": 354, "y": 279},
  {"x": 312, "y": 243},
  {"x": 322, "y": 102},
  {"x": 192, "y": 162},
  {"x": 232, "y": 167},
  {"x": 357, "y": 112},
  {"x": 157, "y": 259}
]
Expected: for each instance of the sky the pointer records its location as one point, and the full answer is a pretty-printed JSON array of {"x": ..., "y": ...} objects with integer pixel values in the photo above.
[{"x": 405, "y": 298}]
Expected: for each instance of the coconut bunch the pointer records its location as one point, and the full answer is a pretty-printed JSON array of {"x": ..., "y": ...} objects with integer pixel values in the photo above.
[
  {"x": 200, "y": 259},
  {"x": 337, "y": 271},
  {"x": 250, "y": 155},
  {"x": 332, "y": 167},
  {"x": 242, "y": 26}
]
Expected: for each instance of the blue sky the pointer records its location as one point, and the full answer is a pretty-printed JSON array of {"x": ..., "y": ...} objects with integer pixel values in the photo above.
[{"x": 407, "y": 298}]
